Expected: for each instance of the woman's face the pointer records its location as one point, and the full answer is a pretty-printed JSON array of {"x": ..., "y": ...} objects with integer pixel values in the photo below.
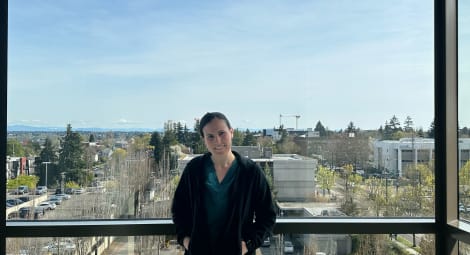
[{"x": 218, "y": 137}]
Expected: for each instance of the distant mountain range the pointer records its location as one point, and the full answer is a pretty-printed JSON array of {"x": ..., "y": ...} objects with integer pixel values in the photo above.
[{"x": 25, "y": 128}]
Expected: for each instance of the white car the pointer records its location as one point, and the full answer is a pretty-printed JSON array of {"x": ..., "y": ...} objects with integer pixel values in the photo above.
[
  {"x": 79, "y": 191},
  {"x": 288, "y": 247},
  {"x": 63, "y": 196},
  {"x": 55, "y": 200},
  {"x": 47, "y": 205}
]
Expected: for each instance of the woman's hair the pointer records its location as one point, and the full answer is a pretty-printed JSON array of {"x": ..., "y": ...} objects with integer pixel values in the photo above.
[{"x": 208, "y": 117}]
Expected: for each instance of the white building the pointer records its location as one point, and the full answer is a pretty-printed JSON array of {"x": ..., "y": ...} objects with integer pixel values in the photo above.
[{"x": 395, "y": 156}]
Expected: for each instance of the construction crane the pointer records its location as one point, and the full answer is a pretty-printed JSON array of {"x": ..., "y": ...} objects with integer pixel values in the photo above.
[{"x": 290, "y": 115}]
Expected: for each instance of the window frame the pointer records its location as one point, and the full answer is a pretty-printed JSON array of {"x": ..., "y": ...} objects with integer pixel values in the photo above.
[{"x": 446, "y": 226}]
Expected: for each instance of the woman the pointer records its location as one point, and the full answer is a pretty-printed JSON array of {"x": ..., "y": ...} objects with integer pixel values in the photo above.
[{"x": 223, "y": 203}]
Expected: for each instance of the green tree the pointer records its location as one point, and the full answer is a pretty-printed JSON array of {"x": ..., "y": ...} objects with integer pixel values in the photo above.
[
  {"x": 249, "y": 139},
  {"x": 431, "y": 130},
  {"x": 351, "y": 128},
  {"x": 157, "y": 144},
  {"x": 464, "y": 182},
  {"x": 395, "y": 124},
  {"x": 238, "y": 138},
  {"x": 325, "y": 179},
  {"x": 28, "y": 180},
  {"x": 15, "y": 148},
  {"x": 91, "y": 139},
  {"x": 419, "y": 193},
  {"x": 408, "y": 124},
  {"x": 47, "y": 154},
  {"x": 320, "y": 128},
  {"x": 71, "y": 153},
  {"x": 377, "y": 193}
]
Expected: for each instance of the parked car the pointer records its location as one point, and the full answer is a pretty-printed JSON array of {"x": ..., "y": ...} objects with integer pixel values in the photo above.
[
  {"x": 55, "y": 200},
  {"x": 266, "y": 242},
  {"x": 14, "y": 201},
  {"x": 47, "y": 205},
  {"x": 27, "y": 212},
  {"x": 23, "y": 189},
  {"x": 79, "y": 191},
  {"x": 63, "y": 196},
  {"x": 41, "y": 190},
  {"x": 66, "y": 247},
  {"x": 288, "y": 247},
  {"x": 24, "y": 198},
  {"x": 69, "y": 191}
]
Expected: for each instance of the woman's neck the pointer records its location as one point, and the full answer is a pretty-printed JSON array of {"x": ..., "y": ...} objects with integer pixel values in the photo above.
[{"x": 223, "y": 161}]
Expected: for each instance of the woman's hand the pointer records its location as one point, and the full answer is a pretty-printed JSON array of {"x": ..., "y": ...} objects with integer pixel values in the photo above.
[
  {"x": 186, "y": 242},
  {"x": 244, "y": 249}
]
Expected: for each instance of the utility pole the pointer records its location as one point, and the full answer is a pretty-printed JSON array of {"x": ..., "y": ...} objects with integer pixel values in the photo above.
[{"x": 46, "y": 163}]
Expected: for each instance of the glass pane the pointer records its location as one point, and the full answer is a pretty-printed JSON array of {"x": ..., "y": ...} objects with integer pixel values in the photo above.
[
  {"x": 334, "y": 101},
  {"x": 104, "y": 245},
  {"x": 463, "y": 108},
  {"x": 274, "y": 245},
  {"x": 464, "y": 248}
]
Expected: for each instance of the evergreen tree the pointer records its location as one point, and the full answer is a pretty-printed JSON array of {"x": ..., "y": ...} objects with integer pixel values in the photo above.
[
  {"x": 156, "y": 142},
  {"x": 71, "y": 152},
  {"x": 431, "y": 130},
  {"x": 395, "y": 124},
  {"x": 408, "y": 124},
  {"x": 387, "y": 132},
  {"x": 48, "y": 154},
  {"x": 249, "y": 139},
  {"x": 180, "y": 133},
  {"x": 195, "y": 140},
  {"x": 91, "y": 139},
  {"x": 351, "y": 128},
  {"x": 238, "y": 138},
  {"x": 169, "y": 139},
  {"x": 321, "y": 129},
  {"x": 420, "y": 132}
]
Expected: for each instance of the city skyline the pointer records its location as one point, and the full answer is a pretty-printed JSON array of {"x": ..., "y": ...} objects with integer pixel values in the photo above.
[{"x": 138, "y": 64}]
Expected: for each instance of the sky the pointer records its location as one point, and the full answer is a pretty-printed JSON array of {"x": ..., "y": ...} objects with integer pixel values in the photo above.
[{"x": 137, "y": 64}]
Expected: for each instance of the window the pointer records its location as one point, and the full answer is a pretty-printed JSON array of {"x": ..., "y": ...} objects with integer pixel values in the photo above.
[{"x": 237, "y": 63}]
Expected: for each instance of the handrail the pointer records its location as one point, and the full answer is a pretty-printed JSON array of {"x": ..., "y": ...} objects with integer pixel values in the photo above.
[{"x": 134, "y": 227}]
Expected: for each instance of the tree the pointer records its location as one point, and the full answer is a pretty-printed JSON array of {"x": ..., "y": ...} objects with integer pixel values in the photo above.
[
  {"x": 91, "y": 139},
  {"x": 395, "y": 124},
  {"x": 15, "y": 148},
  {"x": 320, "y": 128},
  {"x": 351, "y": 128},
  {"x": 325, "y": 179},
  {"x": 28, "y": 180},
  {"x": 408, "y": 124},
  {"x": 431, "y": 130},
  {"x": 71, "y": 152},
  {"x": 157, "y": 143},
  {"x": 48, "y": 154},
  {"x": 249, "y": 139},
  {"x": 387, "y": 132},
  {"x": 238, "y": 138}
]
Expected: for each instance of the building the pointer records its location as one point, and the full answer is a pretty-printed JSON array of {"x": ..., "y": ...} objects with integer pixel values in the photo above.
[{"x": 395, "y": 156}]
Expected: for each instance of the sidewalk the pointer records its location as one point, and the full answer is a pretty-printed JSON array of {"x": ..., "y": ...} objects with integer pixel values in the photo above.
[{"x": 409, "y": 250}]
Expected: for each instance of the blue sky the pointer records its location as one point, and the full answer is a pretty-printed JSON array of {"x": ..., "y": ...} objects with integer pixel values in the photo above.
[{"x": 124, "y": 64}]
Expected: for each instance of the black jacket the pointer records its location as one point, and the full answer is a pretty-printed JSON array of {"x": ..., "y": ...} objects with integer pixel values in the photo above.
[{"x": 252, "y": 215}]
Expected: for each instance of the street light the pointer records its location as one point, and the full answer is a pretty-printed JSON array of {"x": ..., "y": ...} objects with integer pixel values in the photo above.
[{"x": 46, "y": 163}]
